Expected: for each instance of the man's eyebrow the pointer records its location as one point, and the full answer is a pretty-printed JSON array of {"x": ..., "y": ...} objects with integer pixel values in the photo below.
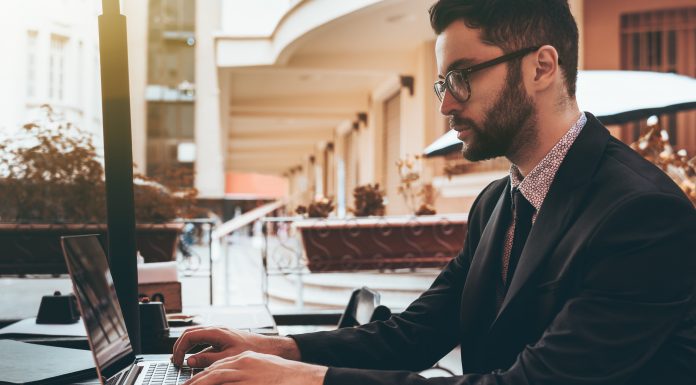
[{"x": 460, "y": 63}]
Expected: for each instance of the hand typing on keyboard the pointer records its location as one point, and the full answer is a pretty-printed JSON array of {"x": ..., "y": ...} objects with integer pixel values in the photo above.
[
  {"x": 252, "y": 368},
  {"x": 244, "y": 358}
]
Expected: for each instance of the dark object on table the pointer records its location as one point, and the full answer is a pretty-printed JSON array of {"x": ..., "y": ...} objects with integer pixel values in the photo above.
[
  {"x": 58, "y": 309},
  {"x": 153, "y": 320},
  {"x": 180, "y": 319},
  {"x": 169, "y": 293}
]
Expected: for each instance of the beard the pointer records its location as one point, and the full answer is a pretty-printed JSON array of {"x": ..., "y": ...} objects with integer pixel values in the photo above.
[{"x": 508, "y": 125}]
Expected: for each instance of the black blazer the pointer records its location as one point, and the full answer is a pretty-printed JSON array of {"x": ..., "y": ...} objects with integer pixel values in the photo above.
[{"x": 604, "y": 292}]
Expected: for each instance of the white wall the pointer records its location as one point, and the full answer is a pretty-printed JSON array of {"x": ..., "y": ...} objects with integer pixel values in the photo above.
[
  {"x": 210, "y": 140},
  {"x": 136, "y": 13},
  {"x": 76, "y": 21}
]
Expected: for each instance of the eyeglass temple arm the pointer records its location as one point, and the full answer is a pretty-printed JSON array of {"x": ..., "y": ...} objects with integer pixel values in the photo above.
[{"x": 501, "y": 59}]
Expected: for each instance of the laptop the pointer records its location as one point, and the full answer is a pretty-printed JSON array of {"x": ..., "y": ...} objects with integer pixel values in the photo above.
[{"x": 106, "y": 329}]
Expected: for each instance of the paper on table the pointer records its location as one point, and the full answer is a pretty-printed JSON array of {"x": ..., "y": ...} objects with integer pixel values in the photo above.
[
  {"x": 29, "y": 326},
  {"x": 157, "y": 272},
  {"x": 237, "y": 317}
]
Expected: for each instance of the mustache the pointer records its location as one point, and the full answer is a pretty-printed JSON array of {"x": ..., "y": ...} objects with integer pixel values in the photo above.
[{"x": 455, "y": 121}]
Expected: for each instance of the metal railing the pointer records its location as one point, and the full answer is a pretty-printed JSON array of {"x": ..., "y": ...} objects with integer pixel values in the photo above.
[
  {"x": 222, "y": 234},
  {"x": 295, "y": 246}
]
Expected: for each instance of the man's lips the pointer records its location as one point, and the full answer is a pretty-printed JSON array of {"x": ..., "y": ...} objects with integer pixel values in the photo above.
[
  {"x": 462, "y": 126},
  {"x": 462, "y": 133},
  {"x": 462, "y": 130}
]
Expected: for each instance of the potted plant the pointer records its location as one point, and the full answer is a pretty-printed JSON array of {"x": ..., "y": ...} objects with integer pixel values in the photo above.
[
  {"x": 653, "y": 145},
  {"x": 371, "y": 240},
  {"x": 52, "y": 184}
]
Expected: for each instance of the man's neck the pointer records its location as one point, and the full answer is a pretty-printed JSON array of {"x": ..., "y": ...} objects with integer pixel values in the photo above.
[{"x": 550, "y": 129}]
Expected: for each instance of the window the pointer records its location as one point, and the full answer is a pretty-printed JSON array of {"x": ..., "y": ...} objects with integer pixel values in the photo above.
[
  {"x": 391, "y": 142},
  {"x": 96, "y": 86},
  {"x": 56, "y": 68},
  {"x": 171, "y": 38},
  {"x": 663, "y": 41},
  {"x": 80, "y": 70},
  {"x": 172, "y": 120},
  {"x": 350, "y": 164},
  {"x": 32, "y": 37}
]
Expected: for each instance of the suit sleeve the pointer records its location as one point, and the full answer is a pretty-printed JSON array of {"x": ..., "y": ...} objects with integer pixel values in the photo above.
[
  {"x": 638, "y": 274},
  {"x": 413, "y": 340}
]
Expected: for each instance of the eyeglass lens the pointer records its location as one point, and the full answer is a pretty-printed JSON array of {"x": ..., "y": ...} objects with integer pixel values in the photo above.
[{"x": 457, "y": 86}]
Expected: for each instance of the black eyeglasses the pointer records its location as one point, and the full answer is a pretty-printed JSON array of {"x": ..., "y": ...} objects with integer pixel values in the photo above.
[{"x": 457, "y": 81}]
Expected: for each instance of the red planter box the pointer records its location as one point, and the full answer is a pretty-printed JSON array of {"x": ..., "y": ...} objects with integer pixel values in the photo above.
[
  {"x": 35, "y": 248},
  {"x": 381, "y": 242}
]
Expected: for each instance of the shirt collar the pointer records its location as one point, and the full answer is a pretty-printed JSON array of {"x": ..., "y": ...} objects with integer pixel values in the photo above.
[{"x": 536, "y": 184}]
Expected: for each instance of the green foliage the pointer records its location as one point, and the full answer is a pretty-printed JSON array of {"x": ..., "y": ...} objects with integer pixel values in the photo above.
[
  {"x": 369, "y": 200},
  {"x": 51, "y": 172}
]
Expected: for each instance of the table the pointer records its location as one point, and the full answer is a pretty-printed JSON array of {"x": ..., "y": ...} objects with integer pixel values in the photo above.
[{"x": 254, "y": 318}]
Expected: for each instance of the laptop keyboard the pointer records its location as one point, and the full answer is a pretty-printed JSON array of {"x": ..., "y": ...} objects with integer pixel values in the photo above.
[{"x": 168, "y": 374}]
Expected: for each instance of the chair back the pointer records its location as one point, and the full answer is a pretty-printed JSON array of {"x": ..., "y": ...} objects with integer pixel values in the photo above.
[{"x": 363, "y": 307}]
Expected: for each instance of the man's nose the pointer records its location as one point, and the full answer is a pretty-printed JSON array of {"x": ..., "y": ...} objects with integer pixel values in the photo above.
[{"x": 449, "y": 105}]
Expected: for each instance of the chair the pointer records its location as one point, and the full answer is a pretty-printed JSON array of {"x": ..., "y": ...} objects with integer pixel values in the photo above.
[{"x": 364, "y": 307}]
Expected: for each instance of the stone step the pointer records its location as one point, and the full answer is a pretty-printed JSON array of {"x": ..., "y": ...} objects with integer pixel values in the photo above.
[
  {"x": 325, "y": 290},
  {"x": 396, "y": 291},
  {"x": 404, "y": 281}
]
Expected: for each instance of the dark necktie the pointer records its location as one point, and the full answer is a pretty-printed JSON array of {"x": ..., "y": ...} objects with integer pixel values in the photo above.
[{"x": 523, "y": 212}]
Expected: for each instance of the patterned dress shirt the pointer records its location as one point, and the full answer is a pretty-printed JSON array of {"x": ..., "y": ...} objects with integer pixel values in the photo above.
[{"x": 536, "y": 184}]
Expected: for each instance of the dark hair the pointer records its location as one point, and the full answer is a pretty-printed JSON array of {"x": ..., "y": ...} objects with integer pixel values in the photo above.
[{"x": 517, "y": 24}]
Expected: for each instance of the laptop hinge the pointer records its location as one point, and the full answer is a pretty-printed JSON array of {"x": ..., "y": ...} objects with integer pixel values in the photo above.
[{"x": 132, "y": 375}]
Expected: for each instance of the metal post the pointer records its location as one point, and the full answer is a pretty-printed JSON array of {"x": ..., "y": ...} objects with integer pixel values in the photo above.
[
  {"x": 210, "y": 258},
  {"x": 118, "y": 164},
  {"x": 225, "y": 253},
  {"x": 266, "y": 228}
]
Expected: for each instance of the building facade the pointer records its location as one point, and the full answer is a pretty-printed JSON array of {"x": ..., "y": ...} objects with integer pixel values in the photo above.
[
  {"x": 645, "y": 35},
  {"x": 317, "y": 96},
  {"x": 51, "y": 58}
]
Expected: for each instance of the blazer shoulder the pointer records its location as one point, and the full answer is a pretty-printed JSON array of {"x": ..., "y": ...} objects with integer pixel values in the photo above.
[{"x": 624, "y": 172}]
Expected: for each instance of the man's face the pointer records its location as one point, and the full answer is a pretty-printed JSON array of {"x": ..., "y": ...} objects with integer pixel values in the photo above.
[{"x": 498, "y": 119}]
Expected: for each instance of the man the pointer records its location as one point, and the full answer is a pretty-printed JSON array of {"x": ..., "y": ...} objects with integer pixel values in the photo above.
[{"x": 578, "y": 268}]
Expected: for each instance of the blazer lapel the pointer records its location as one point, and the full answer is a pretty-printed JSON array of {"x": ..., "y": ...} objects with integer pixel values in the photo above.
[
  {"x": 561, "y": 204},
  {"x": 478, "y": 294}
]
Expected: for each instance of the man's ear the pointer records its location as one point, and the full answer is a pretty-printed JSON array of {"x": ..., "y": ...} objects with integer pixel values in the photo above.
[{"x": 545, "y": 67}]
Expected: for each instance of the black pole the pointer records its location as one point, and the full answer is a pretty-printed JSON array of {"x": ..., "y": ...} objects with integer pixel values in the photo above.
[{"x": 118, "y": 164}]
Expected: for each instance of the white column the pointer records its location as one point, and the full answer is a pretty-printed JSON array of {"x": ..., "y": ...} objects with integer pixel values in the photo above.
[
  {"x": 576, "y": 8},
  {"x": 209, "y": 134},
  {"x": 136, "y": 12}
]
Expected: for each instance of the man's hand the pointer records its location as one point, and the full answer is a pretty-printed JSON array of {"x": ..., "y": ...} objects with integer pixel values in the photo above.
[
  {"x": 226, "y": 343},
  {"x": 251, "y": 368}
]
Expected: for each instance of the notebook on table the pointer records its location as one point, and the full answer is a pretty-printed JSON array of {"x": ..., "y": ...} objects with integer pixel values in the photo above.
[
  {"x": 24, "y": 363},
  {"x": 106, "y": 328}
]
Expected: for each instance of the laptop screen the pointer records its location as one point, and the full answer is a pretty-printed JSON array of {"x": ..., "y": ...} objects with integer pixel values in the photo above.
[{"x": 96, "y": 297}]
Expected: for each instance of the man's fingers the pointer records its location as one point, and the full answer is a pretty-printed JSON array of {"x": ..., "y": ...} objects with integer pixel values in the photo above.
[
  {"x": 238, "y": 361},
  {"x": 177, "y": 342},
  {"x": 204, "y": 358},
  {"x": 193, "y": 338},
  {"x": 214, "y": 377}
]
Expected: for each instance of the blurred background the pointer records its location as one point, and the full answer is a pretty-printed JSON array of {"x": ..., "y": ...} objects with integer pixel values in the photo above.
[{"x": 266, "y": 105}]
